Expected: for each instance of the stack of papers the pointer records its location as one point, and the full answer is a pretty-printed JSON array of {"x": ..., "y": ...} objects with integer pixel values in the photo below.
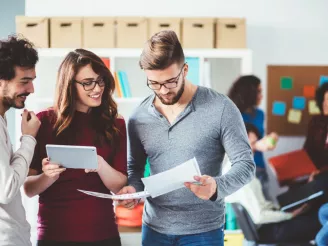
[
  {"x": 161, "y": 183},
  {"x": 136, "y": 195},
  {"x": 172, "y": 179}
]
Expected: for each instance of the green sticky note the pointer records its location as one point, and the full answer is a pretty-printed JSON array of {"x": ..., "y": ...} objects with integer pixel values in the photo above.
[{"x": 286, "y": 83}]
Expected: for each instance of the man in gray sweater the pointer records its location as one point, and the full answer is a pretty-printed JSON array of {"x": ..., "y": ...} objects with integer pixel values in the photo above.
[
  {"x": 17, "y": 72},
  {"x": 178, "y": 122}
]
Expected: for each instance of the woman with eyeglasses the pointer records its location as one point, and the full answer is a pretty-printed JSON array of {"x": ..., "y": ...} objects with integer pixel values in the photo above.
[{"x": 85, "y": 114}]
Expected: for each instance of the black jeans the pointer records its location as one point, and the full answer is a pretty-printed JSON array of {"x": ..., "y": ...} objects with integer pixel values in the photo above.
[
  {"x": 302, "y": 228},
  {"x": 109, "y": 242}
]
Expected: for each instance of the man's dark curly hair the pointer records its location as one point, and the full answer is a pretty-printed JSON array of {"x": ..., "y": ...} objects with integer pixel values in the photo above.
[
  {"x": 16, "y": 52},
  {"x": 244, "y": 92},
  {"x": 320, "y": 95}
]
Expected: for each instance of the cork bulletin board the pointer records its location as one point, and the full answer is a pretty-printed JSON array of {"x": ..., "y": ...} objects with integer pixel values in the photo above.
[{"x": 291, "y": 97}]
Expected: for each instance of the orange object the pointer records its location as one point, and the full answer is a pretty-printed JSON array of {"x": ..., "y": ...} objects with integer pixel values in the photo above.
[
  {"x": 106, "y": 61},
  {"x": 292, "y": 165},
  {"x": 309, "y": 91},
  {"x": 129, "y": 217}
]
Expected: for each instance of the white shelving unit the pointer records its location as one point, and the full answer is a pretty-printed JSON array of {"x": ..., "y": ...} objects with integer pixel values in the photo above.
[{"x": 218, "y": 68}]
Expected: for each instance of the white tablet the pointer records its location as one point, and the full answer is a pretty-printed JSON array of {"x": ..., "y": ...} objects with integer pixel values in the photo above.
[{"x": 69, "y": 156}]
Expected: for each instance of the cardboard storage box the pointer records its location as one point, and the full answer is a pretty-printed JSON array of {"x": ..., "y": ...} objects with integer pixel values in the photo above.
[
  {"x": 35, "y": 29},
  {"x": 159, "y": 24},
  {"x": 66, "y": 32},
  {"x": 99, "y": 32},
  {"x": 198, "y": 33},
  {"x": 132, "y": 32},
  {"x": 231, "y": 33}
]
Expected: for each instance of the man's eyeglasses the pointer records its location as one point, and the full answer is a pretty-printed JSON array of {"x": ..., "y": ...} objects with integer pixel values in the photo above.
[
  {"x": 90, "y": 85},
  {"x": 172, "y": 83}
]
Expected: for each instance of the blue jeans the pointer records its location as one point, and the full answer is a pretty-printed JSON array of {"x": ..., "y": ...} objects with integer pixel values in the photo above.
[
  {"x": 322, "y": 236},
  {"x": 154, "y": 238}
]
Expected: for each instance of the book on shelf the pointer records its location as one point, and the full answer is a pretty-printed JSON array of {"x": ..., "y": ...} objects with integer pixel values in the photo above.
[
  {"x": 193, "y": 71},
  {"x": 125, "y": 81},
  {"x": 118, "y": 89},
  {"x": 122, "y": 84}
]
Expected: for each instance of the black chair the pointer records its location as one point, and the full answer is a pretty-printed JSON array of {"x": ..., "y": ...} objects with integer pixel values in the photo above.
[
  {"x": 249, "y": 228},
  {"x": 245, "y": 223}
]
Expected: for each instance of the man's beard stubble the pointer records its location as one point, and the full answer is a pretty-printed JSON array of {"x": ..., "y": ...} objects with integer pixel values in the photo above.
[
  {"x": 176, "y": 98},
  {"x": 10, "y": 102}
]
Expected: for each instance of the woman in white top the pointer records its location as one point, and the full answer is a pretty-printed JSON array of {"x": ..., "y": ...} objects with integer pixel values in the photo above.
[{"x": 274, "y": 225}]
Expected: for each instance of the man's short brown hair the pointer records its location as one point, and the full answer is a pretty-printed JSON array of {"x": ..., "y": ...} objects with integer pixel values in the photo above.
[{"x": 161, "y": 51}]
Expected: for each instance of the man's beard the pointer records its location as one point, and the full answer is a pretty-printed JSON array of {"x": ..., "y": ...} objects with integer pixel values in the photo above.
[
  {"x": 10, "y": 101},
  {"x": 174, "y": 99}
]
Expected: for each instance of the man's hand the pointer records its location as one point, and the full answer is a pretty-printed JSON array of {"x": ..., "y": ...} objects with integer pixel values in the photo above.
[
  {"x": 130, "y": 204},
  {"x": 30, "y": 123},
  {"x": 205, "y": 189}
]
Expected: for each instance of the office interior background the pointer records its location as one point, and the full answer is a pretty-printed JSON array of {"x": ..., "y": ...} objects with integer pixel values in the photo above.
[{"x": 278, "y": 32}]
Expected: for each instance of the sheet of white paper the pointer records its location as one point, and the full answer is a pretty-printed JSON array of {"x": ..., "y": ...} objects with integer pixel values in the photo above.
[
  {"x": 160, "y": 183},
  {"x": 137, "y": 195},
  {"x": 172, "y": 179}
]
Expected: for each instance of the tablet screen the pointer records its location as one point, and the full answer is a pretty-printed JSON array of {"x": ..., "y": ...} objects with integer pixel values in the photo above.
[{"x": 69, "y": 156}]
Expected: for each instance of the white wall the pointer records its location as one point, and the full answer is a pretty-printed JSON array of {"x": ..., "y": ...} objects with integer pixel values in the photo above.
[
  {"x": 8, "y": 10},
  {"x": 278, "y": 31}
]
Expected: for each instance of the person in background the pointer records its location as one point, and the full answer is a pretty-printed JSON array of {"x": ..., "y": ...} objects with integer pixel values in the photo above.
[
  {"x": 178, "y": 122},
  {"x": 322, "y": 237},
  {"x": 246, "y": 93},
  {"x": 316, "y": 143},
  {"x": 300, "y": 225},
  {"x": 84, "y": 114},
  {"x": 17, "y": 72}
]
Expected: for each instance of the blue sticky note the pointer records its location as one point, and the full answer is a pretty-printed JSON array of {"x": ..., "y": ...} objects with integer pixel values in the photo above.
[
  {"x": 323, "y": 79},
  {"x": 279, "y": 108},
  {"x": 299, "y": 103}
]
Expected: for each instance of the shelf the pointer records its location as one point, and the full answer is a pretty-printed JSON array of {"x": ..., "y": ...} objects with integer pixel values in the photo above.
[
  {"x": 129, "y": 99},
  {"x": 117, "y": 99},
  {"x": 205, "y": 53},
  {"x": 43, "y": 100}
]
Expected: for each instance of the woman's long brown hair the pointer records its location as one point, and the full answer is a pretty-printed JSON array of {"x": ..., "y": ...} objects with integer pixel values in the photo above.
[{"x": 104, "y": 116}]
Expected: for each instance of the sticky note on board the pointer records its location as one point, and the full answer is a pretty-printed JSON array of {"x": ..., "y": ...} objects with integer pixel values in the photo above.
[
  {"x": 294, "y": 116},
  {"x": 313, "y": 108},
  {"x": 309, "y": 91},
  {"x": 323, "y": 79},
  {"x": 286, "y": 83},
  {"x": 299, "y": 103},
  {"x": 279, "y": 108}
]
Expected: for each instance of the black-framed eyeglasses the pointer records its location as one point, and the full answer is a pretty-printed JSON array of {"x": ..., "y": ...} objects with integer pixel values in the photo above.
[
  {"x": 171, "y": 84},
  {"x": 90, "y": 85}
]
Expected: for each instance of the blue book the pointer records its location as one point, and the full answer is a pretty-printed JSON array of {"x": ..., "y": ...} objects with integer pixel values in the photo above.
[
  {"x": 126, "y": 84},
  {"x": 120, "y": 78},
  {"x": 193, "y": 72}
]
